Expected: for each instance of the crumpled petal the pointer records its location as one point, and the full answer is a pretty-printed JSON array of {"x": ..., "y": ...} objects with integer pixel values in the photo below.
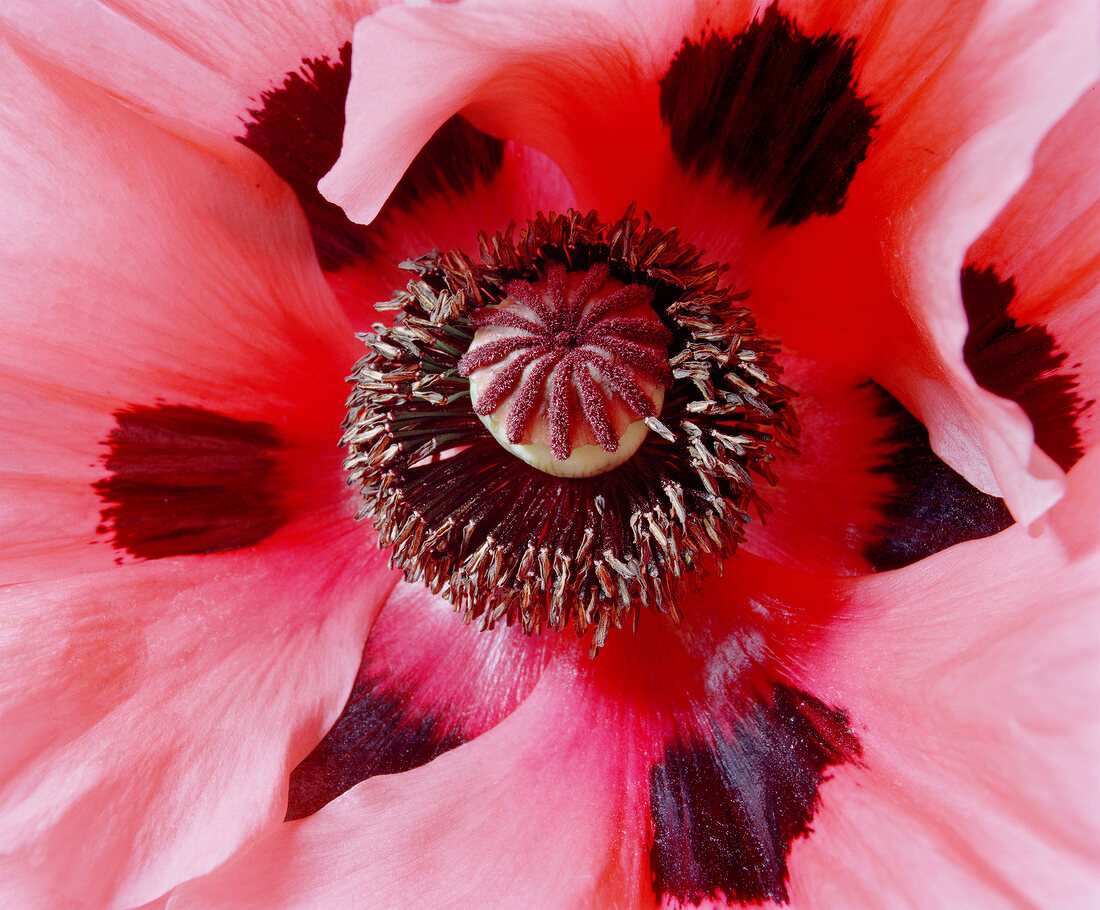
[
  {"x": 1044, "y": 243},
  {"x": 181, "y": 695},
  {"x": 947, "y": 158},
  {"x": 565, "y": 80},
  {"x": 963, "y": 94}
]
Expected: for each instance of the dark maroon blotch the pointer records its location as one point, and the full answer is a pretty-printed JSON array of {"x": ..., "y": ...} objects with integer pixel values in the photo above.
[
  {"x": 931, "y": 506},
  {"x": 1022, "y": 363},
  {"x": 453, "y": 161},
  {"x": 185, "y": 481},
  {"x": 378, "y": 733},
  {"x": 726, "y": 811},
  {"x": 298, "y": 129},
  {"x": 773, "y": 109}
]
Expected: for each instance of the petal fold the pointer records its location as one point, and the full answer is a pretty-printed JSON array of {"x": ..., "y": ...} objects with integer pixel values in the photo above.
[
  {"x": 549, "y": 79},
  {"x": 1042, "y": 246},
  {"x": 532, "y": 814},
  {"x": 962, "y": 98},
  {"x": 972, "y": 681}
]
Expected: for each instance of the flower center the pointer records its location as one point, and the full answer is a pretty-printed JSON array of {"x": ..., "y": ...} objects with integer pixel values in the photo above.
[
  {"x": 565, "y": 370},
  {"x": 564, "y": 343}
]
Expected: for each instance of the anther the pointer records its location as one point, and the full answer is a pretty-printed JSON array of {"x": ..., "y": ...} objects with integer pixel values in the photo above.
[{"x": 639, "y": 336}]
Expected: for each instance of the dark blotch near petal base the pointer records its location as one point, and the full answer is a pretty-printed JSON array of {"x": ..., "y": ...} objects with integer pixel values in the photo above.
[
  {"x": 186, "y": 481},
  {"x": 378, "y": 733},
  {"x": 774, "y": 109},
  {"x": 453, "y": 161},
  {"x": 1020, "y": 362},
  {"x": 932, "y": 506},
  {"x": 299, "y": 129},
  {"x": 725, "y": 812}
]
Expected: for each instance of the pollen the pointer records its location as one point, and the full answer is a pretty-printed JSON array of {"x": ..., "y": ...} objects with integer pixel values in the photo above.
[
  {"x": 566, "y": 341},
  {"x": 565, "y": 370}
]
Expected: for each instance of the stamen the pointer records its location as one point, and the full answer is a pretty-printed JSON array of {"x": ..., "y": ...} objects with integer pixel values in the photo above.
[{"x": 506, "y": 542}]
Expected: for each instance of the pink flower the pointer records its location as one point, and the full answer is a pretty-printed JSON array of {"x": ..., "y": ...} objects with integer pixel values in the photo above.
[{"x": 886, "y": 699}]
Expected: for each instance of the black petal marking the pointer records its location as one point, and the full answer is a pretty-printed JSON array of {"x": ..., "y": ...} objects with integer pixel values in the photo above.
[
  {"x": 773, "y": 109},
  {"x": 1020, "y": 362},
  {"x": 453, "y": 161},
  {"x": 378, "y": 733},
  {"x": 186, "y": 481},
  {"x": 932, "y": 507},
  {"x": 299, "y": 129},
  {"x": 726, "y": 812}
]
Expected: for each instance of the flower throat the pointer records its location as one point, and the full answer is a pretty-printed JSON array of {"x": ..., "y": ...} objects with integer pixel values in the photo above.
[{"x": 559, "y": 435}]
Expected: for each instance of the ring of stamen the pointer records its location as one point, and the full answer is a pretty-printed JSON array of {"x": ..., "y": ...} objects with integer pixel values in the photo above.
[{"x": 508, "y": 543}]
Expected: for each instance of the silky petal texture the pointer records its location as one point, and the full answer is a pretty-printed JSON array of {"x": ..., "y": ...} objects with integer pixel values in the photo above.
[
  {"x": 204, "y": 61},
  {"x": 1045, "y": 240},
  {"x": 961, "y": 103},
  {"x": 181, "y": 691},
  {"x": 179, "y": 702},
  {"x": 949, "y": 154},
  {"x": 988, "y": 782},
  {"x": 829, "y": 498},
  {"x": 532, "y": 814},
  {"x": 26, "y": 889},
  {"x": 148, "y": 294},
  {"x": 942, "y": 167}
]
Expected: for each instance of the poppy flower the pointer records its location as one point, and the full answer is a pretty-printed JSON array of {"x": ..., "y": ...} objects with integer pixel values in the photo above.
[{"x": 863, "y": 234}]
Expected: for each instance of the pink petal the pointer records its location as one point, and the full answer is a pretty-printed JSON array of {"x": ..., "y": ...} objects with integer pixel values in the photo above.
[
  {"x": 566, "y": 81},
  {"x": 23, "y": 888},
  {"x": 161, "y": 704},
  {"x": 199, "y": 60},
  {"x": 532, "y": 814},
  {"x": 1043, "y": 243},
  {"x": 973, "y": 680},
  {"x": 123, "y": 290},
  {"x": 963, "y": 97},
  {"x": 180, "y": 696}
]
